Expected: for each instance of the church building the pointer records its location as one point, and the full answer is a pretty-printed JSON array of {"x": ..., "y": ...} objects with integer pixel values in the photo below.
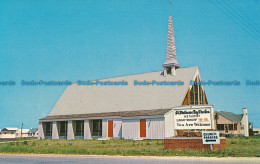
[{"x": 142, "y": 109}]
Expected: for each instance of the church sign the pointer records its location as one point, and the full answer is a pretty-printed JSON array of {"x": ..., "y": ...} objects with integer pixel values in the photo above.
[{"x": 193, "y": 118}]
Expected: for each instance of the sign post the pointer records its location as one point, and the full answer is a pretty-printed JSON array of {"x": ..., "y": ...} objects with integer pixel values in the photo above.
[{"x": 210, "y": 137}]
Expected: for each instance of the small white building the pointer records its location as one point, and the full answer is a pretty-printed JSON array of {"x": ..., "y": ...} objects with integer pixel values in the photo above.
[
  {"x": 9, "y": 133},
  {"x": 256, "y": 131},
  {"x": 22, "y": 133},
  {"x": 33, "y": 132}
]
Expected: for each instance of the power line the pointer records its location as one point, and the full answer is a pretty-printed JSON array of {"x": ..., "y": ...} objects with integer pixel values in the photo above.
[
  {"x": 236, "y": 21},
  {"x": 245, "y": 23},
  {"x": 239, "y": 15}
]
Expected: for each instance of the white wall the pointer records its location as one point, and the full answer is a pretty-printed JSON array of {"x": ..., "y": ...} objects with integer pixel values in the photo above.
[
  {"x": 40, "y": 131},
  {"x": 155, "y": 128},
  {"x": 55, "y": 131},
  {"x": 87, "y": 131},
  {"x": 104, "y": 128},
  {"x": 70, "y": 130},
  {"x": 169, "y": 124},
  {"x": 9, "y": 134},
  {"x": 117, "y": 128},
  {"x": 14, "y": 134},
  {"x": 131, "y": 129}
]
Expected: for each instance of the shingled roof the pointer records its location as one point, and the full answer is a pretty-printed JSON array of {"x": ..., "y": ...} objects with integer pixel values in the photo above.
[
  {"x": 231, "y": 116},
  {"x": 85, "y": 99},
  {"x": 110, "y": 114}
]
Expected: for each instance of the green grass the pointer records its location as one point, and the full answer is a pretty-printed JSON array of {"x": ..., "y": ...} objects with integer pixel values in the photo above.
[
  {"x": 17, "y": 139},
  {"x": 236, "y": 147}
]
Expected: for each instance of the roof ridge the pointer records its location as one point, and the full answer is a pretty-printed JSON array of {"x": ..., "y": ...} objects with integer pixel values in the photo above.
[
  {"x": 138, "y": 74},
  {"x": 230, "y": 117}
]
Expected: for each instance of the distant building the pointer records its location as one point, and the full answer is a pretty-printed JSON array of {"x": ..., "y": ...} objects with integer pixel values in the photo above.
[
  {"x": 22, "y": 133},
  {"x": 9, "y": 133},
  {"x": 228, "y": 123},
  {"x": 256, "y": 131},
  {"x": 33, "y": 132}
]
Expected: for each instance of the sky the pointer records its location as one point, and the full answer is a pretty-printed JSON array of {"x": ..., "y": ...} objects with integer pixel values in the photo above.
[{"x": 87, "y": 40}]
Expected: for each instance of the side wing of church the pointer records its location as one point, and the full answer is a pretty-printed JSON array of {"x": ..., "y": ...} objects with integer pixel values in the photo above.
[{"x": 142, "y": 108}]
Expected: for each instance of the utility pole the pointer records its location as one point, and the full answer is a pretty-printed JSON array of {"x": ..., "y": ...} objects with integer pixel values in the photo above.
[{"x": 22, "y": 130}]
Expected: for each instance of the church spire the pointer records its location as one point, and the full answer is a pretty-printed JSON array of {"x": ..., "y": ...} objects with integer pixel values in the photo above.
[
  {"x": 171, "y": 51},
  {"x": 171, "y": 61}
]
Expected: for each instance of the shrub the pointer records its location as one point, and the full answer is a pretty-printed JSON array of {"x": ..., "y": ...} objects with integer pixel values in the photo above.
[
  {"x": 33, "y": 144},
  {"x": 25, "y": 143},
  {"x": 233, "y": 142}
]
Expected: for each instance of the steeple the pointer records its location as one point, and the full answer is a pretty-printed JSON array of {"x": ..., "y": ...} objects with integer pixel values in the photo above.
[{"x": 171, "y": 61}]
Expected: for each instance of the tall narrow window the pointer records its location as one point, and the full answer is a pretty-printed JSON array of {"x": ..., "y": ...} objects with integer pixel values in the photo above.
[
  {"x": 201, "y": 95},
  {"x": 63, "y": 128},
  {"x": 230, "y": 127},
  {"x": 97, "y": 128},
  {"x": 169, "y": 71},
  {"x": 79, "y": 128},
  {"x": 235, "y": 126},
  {"x": 192, "y": 101},
  {"x": 48, "y": 130},
  {"x": 196, "y": 94}
]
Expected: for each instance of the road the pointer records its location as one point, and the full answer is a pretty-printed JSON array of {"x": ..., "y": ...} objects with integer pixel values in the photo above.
[{"x": 94, "y": 159}]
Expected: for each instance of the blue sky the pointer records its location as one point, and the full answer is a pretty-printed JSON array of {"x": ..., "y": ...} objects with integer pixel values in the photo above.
[{"x": 86, "y": 40}]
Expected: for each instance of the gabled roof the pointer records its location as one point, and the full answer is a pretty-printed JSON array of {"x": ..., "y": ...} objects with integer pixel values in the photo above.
[
  {"x": 33, "y": 130},
  {"x": 231, "y": 116},
  {"x": 9, "y": 129},
  {"x": 111, "y": 114},
  {"x": 85, "y": 99}
]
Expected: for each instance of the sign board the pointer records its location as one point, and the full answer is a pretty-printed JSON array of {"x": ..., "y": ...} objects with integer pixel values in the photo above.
[
  {"x": 193, "y": 118},
  {"x": 210, "y": 137}
]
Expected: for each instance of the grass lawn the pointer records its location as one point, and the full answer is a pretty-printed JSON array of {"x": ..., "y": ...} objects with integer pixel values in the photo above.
[
  {"x": 17, "y": 139},
  {"x": 236, "y": 147}
]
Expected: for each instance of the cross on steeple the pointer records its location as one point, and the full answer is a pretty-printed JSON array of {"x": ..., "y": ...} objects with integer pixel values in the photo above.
[{"x": 170, "y": 7}]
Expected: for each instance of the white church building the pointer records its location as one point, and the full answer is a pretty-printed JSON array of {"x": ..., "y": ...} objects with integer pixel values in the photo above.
[{"x": 140, "y": 109}]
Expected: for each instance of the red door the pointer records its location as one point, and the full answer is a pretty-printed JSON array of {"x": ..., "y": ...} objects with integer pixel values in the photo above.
[
  {"x": 110, "y": 128},
  {"x": 142, "y": 127}
]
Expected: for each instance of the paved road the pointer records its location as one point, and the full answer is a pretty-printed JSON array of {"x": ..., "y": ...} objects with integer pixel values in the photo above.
[{"x": 27, "y": 159}]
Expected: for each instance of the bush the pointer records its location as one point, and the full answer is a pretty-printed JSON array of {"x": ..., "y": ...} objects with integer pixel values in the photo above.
[{"x": 233, "y": 142}]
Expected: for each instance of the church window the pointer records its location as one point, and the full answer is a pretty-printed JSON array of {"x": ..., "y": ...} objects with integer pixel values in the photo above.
[
  {"x": 48, "y": 130},
  {"x": 63, "y": 128},
  {"x": 79, "y": 128},
  {"x": 97, "y": 128}
]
